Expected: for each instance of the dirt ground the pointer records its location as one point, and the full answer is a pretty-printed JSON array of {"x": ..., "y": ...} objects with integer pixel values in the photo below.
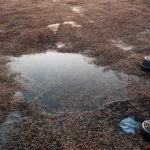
[{"x": 116, "y": 33}]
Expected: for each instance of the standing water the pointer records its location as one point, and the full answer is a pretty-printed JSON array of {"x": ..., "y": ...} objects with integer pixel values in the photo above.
[{"x": 62, "y": 81}]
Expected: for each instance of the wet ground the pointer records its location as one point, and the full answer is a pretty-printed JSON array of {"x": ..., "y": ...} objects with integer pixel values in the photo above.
[{"x": 113, "y": 34}]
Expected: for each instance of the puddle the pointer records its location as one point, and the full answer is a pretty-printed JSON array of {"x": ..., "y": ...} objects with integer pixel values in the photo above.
[
  {"x": 62, "y": 81},
  {"x": 121, "y": 45}
]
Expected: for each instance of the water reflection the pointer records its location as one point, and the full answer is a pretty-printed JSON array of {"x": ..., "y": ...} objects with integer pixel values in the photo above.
[{"x": 62, "y": 81}]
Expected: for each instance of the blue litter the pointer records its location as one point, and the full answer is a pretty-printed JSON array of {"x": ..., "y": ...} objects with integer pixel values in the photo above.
[{"x": 128, "y": 125}]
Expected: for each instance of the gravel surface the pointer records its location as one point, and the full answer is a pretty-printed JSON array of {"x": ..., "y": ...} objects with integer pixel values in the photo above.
[{"x": 116, "y": 33}]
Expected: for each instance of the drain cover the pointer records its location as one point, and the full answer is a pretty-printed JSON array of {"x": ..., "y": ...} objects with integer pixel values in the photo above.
[{"x": 146, "y": 126}]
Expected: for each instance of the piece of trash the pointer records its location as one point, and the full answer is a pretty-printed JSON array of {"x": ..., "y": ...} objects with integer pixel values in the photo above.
[
  {"x": 146, "y": 126},
  {"x": 145, "y": 64},
  {"x": 128, "y": 125},
  {"x": 146, "y": 129}
]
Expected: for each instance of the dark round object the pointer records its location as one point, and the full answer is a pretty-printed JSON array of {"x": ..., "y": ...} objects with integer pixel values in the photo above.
[
  {"x": 146, "y": 129},
  {"x": 146, "y": 126},
  {"x": 145, "y": 64}
]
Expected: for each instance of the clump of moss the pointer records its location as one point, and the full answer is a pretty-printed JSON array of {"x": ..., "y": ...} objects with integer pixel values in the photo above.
[{"x": 36, "y": 38}]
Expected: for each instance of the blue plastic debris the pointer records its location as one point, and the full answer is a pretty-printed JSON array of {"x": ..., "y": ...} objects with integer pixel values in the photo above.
[{"x": 128, "y": 125}]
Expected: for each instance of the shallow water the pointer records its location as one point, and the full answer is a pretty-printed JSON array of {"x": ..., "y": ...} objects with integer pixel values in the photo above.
[{"x": 62, "y": 81}]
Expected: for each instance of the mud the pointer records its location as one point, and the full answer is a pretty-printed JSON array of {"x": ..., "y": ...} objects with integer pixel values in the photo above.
[{"x": 24, "y": 30}]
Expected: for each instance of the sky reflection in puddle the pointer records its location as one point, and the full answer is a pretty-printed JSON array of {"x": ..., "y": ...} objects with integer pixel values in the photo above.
[{"x": 62, "y": 81}]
